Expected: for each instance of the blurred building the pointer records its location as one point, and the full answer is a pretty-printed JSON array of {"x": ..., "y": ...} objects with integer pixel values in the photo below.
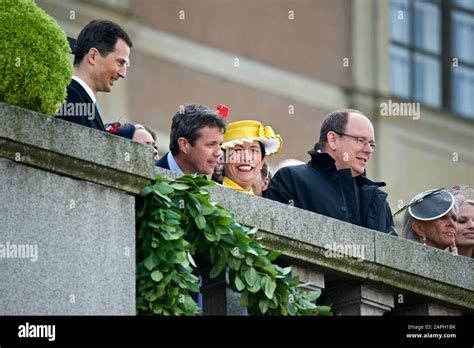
[{"x": 288, "y": 63}]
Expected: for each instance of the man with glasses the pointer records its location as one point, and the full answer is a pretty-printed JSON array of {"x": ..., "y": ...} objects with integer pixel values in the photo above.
[{"x": 334, "y": 182}]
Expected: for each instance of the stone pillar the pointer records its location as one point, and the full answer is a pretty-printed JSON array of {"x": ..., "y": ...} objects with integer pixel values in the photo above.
[
  {"x": 233, "y": 301},
  {"x": 358, "y": 299},
  {"x": 212, "y": 290},
  {"x": 306, "y": 275},
  {"x": 427, "y": 308}
]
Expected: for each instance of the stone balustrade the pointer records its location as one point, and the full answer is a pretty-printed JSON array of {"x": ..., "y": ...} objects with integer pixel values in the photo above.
[{"x": 67, "y": 192}]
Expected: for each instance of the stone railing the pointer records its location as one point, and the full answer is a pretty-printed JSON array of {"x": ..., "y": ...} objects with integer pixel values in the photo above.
[
  {"x": 67, "y": 202},
  {"x": 68, "y": 192}
]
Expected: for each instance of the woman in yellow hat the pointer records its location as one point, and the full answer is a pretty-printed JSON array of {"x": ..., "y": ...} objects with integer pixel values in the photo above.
[{"x": 246, "y": 143}]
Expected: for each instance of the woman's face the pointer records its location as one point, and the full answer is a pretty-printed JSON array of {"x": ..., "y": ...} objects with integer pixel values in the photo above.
[
  {"x": 465, "y": 225},
  {"x": 439, "y": 233},
  {"x": 243, "y": 164}
]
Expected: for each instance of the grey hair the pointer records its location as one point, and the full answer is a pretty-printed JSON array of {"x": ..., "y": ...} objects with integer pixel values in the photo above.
[{"x": 407, "y": 229}]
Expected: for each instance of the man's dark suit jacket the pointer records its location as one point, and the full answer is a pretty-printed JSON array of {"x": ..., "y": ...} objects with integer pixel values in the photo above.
[
  {"x": 163, "y": 162},
  {"x": 71, "y": 109}
]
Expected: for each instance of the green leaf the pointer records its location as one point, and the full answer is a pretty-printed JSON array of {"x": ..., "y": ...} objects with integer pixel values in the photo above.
[
  {"x": 200, "y": 222},
  {"x": 172, "y": 235},
  {"x": 180, "y": 186},
  {"x": 217, "y": 269},
  {"x": 233, "y": 263},
  {"x": 255, "y": 288},
  {"x": 146, "y": 190},
  {"x": 156, "y": 275},
  {"x": 251, "y": 276},
  {"x": 252, "y": 251},
  {"x": 291, "y": 309},
  {"x": 324, "y": 310},
  {"x": 191, "y": 260},
  {"x": 211, "y": 237},
  {"x": 222, "y": 230},
  {"x": 242, "y": 237},
  {"x": 306, "y": 304},
  {"x": 224, "y": 221},
  {"x": 189, "y": 305},
  {"x": 252, "y": 231},
  {"x": 238, "y": 283},
  {"x": 149, "y": 263},
  {"x": 269, "y": 288},
  {"x": 165, "y": 197},
  {"x": 163, "y": 188},
  {"x": 286, "y": 270},
  {"x": 312, "y": 295},
  {"x": 263, "y": 305},
  {"x": 269, "y": 268},
  {"x": 205, "y": 210},
  {"x": 273, "y": 255},
  {"x": 154, "y": 225}
]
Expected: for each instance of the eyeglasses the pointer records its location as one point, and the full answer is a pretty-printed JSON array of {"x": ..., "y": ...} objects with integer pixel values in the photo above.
[{"x": 360, "y": 141}]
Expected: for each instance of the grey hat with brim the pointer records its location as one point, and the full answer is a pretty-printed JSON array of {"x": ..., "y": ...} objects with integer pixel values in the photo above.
[{"x": 431, "y": 205}]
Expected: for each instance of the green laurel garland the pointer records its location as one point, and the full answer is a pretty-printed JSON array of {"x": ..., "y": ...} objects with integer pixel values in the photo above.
[{"x": 176, "y": 220}]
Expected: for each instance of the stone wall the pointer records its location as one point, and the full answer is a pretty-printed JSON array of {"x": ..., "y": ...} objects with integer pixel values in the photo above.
[{"x": 67, "y": 222}]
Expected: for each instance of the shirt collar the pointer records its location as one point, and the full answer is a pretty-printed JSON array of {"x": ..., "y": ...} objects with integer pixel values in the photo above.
[
  {"x": 227, "y": 182},
  {"x": 86, "y": 87},
  {"x": 172, "y": 164}
]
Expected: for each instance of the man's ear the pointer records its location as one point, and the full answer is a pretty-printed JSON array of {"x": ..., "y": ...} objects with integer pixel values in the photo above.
[
  {"x": 92, "y": 55},
  {"x": 183, "y": 145},
  {"x": 265, "y": 182},
  {"x": 331, "y": 140},
  {"x": 418, "y": 229}
]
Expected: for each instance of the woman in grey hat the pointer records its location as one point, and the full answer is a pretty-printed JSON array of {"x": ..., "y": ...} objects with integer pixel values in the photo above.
[{"x": 430, "y": 219}]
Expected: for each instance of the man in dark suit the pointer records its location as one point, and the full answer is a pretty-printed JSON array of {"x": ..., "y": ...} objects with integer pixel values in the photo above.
[
  {"x": 334, "y": 182},
  {"x": 101, "y": 58},
  {"x": 195, "y": 141}
]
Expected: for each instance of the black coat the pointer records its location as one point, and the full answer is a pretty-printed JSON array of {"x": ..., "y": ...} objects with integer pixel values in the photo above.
[
  {"x": 76, "y": 94},
  {"x": 319, "y": 187},
  {"x": 163, "y": 162}
]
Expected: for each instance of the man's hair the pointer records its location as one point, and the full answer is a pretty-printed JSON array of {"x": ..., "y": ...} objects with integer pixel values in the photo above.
[
  {"x": 335, "y": 121},
  {"x": 188, "y": 122},
  {"x": 100, "y": 34},
  {"x": 265, "y": 172},
  {"x": 151, "y": 131}
]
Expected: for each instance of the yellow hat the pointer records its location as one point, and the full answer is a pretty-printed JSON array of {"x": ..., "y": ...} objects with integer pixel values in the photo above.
[{"x": 250, "y": 131}]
